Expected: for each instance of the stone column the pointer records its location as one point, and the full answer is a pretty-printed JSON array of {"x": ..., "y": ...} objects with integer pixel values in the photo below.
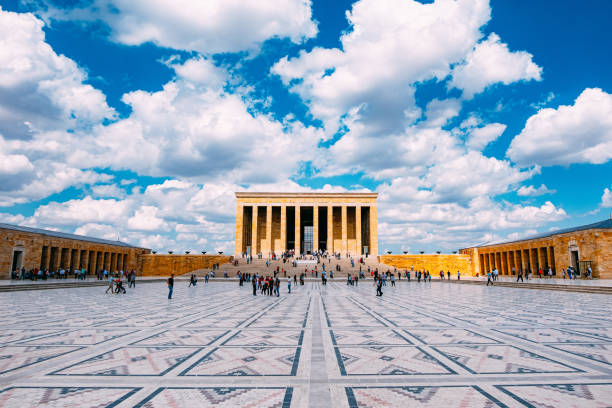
[
  {"x": 298, "y": 230},
  {"x": 358, "y": 229},
  {"x": 283, "y": 228},
  {"x": 373, "y": 230},
  {"x": 77, "y": 259},
  {"x": 516, "y": 262},
  {"x": 85, "y": 260},
  {"x": 548, "y": 257},
  {"x": 239, "y": 230},
  {"x": 268, "y": 247},
  {"x": 254, "y": 249},
  {"x": 44, "y": 261},
  {"x": 344, "y": 231},
  {"x": 541, "y": 262},
  {"x": 315, "y": 228},
  {"x": 330, "y": 229},
  {"x": 68, "y": 259}
]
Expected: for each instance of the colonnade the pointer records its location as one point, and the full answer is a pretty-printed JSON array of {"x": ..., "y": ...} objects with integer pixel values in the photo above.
[
  {"x": 507, "y": 259},
  {"x": 347, "y": 228},
  {"x": 54, "y": 258}
]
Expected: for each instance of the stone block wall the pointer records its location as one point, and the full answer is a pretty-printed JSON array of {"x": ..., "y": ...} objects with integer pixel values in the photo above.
[
  {"x": 432, "y": 263},
  {"x": 46, "y": 251},
  {"x": 164, "y": 265}
]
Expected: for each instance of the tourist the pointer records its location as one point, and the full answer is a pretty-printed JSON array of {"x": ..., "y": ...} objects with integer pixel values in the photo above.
[
  {"x": 379, "y": 287},
  {"x": 589, "y": 272},
  {"x": 489, "y": 278},
  {"x": 170, "y": 282},
  {"x": 110, "y": 285},
  {"x": 192, "y": 281},
  {"x": 458, "y": 275},
  {"x": 119, "y": 285},
  {"x": 254, "y": 287},
  {"x": 550, "y": 273},
  {"x": 392, "y": 280},
  {"x": 277, "y": 286},
  {"x": 448, "y": 274},
  {"x": 519, "y": 276},
  {"x": 132, "y": 279},
  {"x": 408, "y": 275},
  {"x": 289, "y": 284}
]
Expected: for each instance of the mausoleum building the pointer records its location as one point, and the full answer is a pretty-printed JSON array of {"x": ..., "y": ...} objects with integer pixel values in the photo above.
[{"x": 306, "y": 223}]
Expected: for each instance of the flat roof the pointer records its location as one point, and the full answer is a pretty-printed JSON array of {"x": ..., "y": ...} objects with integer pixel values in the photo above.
[
  {"x": 64, "y": 235},
  {"x": 245, "y": 194},
  {"x": 605, "y": 224}
]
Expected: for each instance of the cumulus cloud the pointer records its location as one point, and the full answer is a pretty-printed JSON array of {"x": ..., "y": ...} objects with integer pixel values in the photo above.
[
  {"x": 491, "y": 62},
  {"x": 480, "y": 137},
  {"x": 39, "y": 89},
  {"x": 392, "y": 45},
  {"x": 578, "y": 133},
  {"x": 209, "y": 27},
  {"x": 531, "y": 191}
]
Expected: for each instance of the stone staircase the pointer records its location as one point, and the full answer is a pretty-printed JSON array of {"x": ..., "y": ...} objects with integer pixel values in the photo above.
[{"x": 259, "y": 266}]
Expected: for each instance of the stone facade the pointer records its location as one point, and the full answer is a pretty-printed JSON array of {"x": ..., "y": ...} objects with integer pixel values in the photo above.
[
  {"x": 164, "y": 265},
  {"x": 579, "y": 247},
  {"x": 306, "y": 222},
  {"x": 49, "y": 250},
  {"x": 434, "y": 263}
]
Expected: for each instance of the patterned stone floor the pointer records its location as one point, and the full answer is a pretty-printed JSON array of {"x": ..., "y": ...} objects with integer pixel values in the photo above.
[{"x": 420, "y": 345}]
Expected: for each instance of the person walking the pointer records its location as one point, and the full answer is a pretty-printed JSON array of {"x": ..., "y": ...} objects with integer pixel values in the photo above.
[
  {"x": 254, "y": 283},
  {"x": 489, "y": 280},
  {"x": 458, "y": 275},
  {"x": 170, "y": 286},
  {"x": 379, "y": 287},
  {"x": 110, "y": 285},
  {"x": 519, "y": 275},
  {"x": 192, "y": 281},
  {"x": 289, "y": 284}
]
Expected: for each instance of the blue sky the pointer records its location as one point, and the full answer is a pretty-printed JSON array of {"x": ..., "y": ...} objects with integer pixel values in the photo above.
[{"x": 475, "y": 120}]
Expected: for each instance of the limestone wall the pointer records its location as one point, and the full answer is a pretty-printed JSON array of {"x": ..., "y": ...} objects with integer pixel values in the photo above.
[
  {"x": 164, "y": 265},
  {"x": 44, "y": 251},
  {"x": 432, "y": 262}
]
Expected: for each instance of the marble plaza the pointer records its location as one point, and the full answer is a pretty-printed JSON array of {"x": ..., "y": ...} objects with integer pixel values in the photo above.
[{"x": 420, "y": 345}]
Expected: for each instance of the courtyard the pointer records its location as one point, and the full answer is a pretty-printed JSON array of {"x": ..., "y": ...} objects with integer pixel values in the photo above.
[{"x": 432, "y": 344}]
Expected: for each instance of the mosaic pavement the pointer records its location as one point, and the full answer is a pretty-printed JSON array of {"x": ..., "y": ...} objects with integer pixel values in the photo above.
[{"x": 420, "y": 345}]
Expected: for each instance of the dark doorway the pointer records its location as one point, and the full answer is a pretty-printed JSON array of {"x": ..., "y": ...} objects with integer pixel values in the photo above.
[
  {"x": 17, "y": 260},
  {"x": 306, "y": 229},
  {"x": 323, "y": 228},
  {"x": 575, "y": 260},
  {"x": 290, "y": 228}
]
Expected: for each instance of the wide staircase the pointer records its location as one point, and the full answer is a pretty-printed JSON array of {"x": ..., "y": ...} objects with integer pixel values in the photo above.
[{"x": 258, "y": 266}]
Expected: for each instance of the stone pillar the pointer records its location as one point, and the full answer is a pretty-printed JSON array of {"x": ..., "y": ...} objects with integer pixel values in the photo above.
[
  {"x": 315, "y": 228},
  {"x": 239, "y": 230},
  {"x": 516, "y": 262},
  {"x": 344, "y": 231},
  {"x": 502, "y": 263},
  {"x": 283, "y": 228},
  {"x": 330, "y": 229},
  {"x": 77, "y": 259},
  {"x": 254, "y": 249},
  {"x": 541, "y": 263},
  {"x": 298, "y": 230},
  {"x": 85, "y": 259},
  {"x": 44, "y": 260},
  {"x": 68, "y": 259},
  {"x": 548, "y": 257},
  {"x": 268, "y": 248},
  {"x": 373, "y": 230},
  {"x": 358, "y": 229}
]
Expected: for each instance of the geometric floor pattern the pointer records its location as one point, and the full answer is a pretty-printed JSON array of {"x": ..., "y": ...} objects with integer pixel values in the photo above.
[{"x": 420, "y": 345}]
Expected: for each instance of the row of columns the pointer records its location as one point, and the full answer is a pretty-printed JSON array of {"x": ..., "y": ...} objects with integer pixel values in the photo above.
[
  {"x": 53, "y": 258},
  {"x": 521, "y": 258},
  {"x": 269, "y": 247}
]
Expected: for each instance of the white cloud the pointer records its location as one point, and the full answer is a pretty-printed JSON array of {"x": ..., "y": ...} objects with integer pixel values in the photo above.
[
  {"x": 531, "y": 191},
  {"x": 579, "y": 133},
  {"x": 108, "y": 190},
  {"x": 212, "y": 26},
  {"x": 392, "y": 45},
  {"x": 491, "y": 62},
  {"x": 480, "y": 137},
  {"x": 606, "y": 198},
  {"x": 39, "y": 89}
]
